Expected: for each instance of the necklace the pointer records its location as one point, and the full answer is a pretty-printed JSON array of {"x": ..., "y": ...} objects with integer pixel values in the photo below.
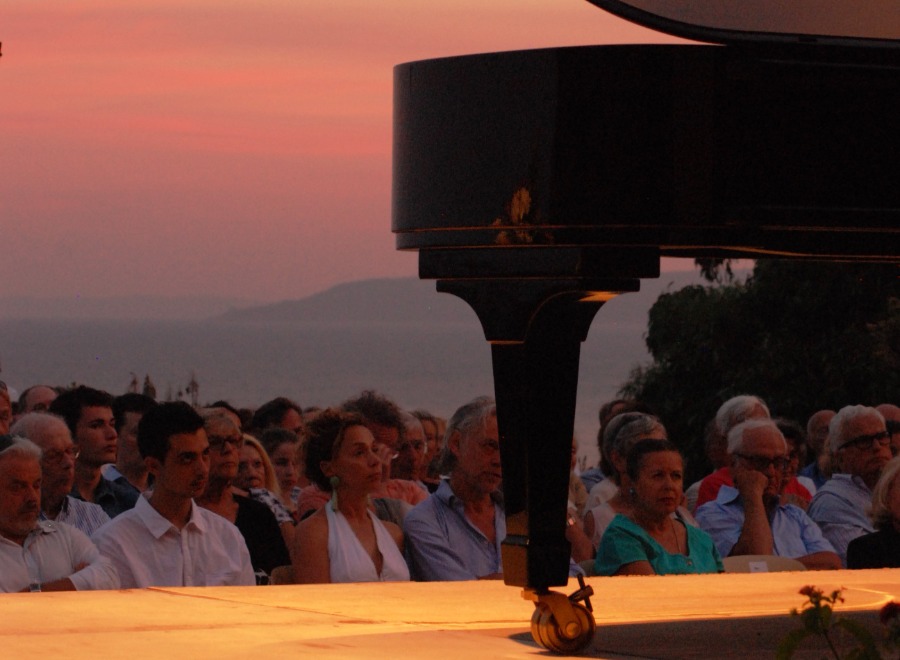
[{"x": 675, "y": 536}]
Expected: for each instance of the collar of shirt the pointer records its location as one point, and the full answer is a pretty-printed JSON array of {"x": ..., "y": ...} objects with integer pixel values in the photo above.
[
  {"x": 853, "y": 480},
  {"x": 445, "y": 493},
  {"x": 731, "y": 495},
  {"x": 158, "y": 525}
]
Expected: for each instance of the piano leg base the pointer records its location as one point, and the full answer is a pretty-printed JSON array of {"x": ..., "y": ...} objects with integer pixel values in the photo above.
[{"x": 562, "y": 624}]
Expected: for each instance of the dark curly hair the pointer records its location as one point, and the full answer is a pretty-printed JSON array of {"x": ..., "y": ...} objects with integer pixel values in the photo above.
[{"x": 325, "y": 433}]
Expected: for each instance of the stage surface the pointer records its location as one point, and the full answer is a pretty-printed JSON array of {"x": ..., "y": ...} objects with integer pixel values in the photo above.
[{"x": 710, "y": 616}]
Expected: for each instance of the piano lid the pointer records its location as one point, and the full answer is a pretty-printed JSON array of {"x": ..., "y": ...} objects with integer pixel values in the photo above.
[{"x": 868, "y": 23}]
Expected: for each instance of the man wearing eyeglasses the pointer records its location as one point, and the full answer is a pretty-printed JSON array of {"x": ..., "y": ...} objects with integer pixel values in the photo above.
[
  {"x": 860, "y": 448},
  {"x": 750, "y": 518},
  {"x": 40, "y": 555},
  {"x": 58, "y": 456}
]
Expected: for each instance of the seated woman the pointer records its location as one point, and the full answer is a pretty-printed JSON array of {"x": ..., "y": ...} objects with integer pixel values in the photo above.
[
  {"x": 284, "y": 449},
  {"x": 650, "y": 540},
  {"x": 881, "y": 549},
  {"x": 344, "y": 541},
  {"x": 254, "y": 520},
  {"x": 256, "y": 478},
  {"x": 622, "y": 433}
]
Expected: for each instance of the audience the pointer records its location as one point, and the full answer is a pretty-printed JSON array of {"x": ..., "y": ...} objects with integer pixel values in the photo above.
[
  {"x": 167, "y": 540},
  {"x": 368, "y": 474},
  {"x": 254, "y": 520},
  {"x": 620, "y": 435},
  {"x": 881, "y": 549},
  {"x": 58, "y": 455},
  {"x": 860, "y": 448},
  {"x": 344, "y": 541},
  {"x": 129, "y": 470},
  {"x": 89, "y": 416},
  {"x": 819, "y": 470},
  {"x": 256, "y": 477},
  {"x": 650, "y": 540},
  {"x": 40, "y": 555},
  {"x": 751, "y": 518},
  {"x": 456, "y": 533}
]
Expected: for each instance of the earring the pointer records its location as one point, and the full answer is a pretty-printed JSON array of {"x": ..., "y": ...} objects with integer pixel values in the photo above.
[{"x": 335, "y": 481}]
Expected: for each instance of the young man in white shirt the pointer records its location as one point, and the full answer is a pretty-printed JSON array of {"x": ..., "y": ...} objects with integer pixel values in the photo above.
[{"x": 167, "y": 539}]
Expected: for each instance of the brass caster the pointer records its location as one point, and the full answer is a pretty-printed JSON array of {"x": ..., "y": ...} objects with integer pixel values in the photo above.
[
  {"x": 561, "y": 624},
  {"x": 571, "y": 638}
]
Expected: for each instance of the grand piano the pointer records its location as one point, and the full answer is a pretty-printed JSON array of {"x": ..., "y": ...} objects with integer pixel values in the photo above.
[{"x": 537, "y": 185}]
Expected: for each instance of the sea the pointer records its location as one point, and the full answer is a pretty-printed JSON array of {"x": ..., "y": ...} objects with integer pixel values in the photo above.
[{"x": 435, "y": 365}]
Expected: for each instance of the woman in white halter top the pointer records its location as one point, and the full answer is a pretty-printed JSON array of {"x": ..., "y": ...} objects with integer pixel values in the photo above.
[{"x": 344, "y": 541}]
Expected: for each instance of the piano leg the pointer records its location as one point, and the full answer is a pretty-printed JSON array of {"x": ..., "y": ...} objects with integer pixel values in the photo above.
[{"x": 536, "y": 329}]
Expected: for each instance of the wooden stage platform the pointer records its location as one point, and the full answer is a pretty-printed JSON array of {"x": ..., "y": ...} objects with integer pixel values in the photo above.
[{"x": 712, "y": 616}]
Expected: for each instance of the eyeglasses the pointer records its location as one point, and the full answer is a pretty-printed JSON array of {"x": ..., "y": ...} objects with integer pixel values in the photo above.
[
  {"x": 882, "y": 438},
  {"x": 218, "y": 442},
  {"x": 56, "y": 457},
  {"x": 893, "y": 426},
  {"x": 762, "y": 463},
  {"x": 385, "y": 452}
]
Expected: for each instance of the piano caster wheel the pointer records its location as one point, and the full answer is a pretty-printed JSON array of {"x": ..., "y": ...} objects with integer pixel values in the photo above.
[
  {"x": 562, "y": 624},
  {"x": 547, "y": 632}
]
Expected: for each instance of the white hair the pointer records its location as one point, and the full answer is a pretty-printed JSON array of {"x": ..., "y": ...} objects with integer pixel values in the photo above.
[
  {"x": 736, "y": 410},
  {"x": 839, "y": 427},
  {"x": 736, "y": 434}
]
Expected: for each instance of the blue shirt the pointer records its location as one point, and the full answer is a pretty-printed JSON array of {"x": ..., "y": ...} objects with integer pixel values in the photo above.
[
  {"x": 812, "y": 471},
  {"x": 591, "y": 477},
  {"x": 442, "y": 544},
  {"x": 794, "y": 534},
  {"x": 625, "y": 542},
  {"x": 113, "y": 498},
  {"x": 82, "y": 515},
  {"x": 841, "y": 508}
]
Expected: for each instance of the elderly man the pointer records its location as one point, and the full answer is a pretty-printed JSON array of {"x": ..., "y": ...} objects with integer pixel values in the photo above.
[
  {"x": 750, "y": 518},
  {"x": 456, "y": 533},
  {"x": 860, "y": 448},
  {"x": 36, "y": 398},
  {"x": 58, "y": 455},
  {"x": 411, "y": 462},
  {"x": 40, "y": 555},
  {"x": 819, "y": 469},
  {"x": 735, "y": 410},
  {"x": 89, "y": 416},
  {"x": 167, "y": 540}
]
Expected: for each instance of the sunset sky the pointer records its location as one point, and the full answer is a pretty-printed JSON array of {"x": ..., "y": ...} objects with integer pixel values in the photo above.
[{"x": 180, "y": 147}]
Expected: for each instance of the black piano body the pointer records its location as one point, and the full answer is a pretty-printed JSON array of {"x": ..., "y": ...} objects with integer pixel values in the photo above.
[{"x": 538, "y": 184}]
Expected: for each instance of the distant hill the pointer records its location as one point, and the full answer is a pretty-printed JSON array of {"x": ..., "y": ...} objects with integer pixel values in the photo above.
[
  {"x": 391, "y": 301},
  {"x": 122, "y": 308},
  {"x": 386, "y": 301}
]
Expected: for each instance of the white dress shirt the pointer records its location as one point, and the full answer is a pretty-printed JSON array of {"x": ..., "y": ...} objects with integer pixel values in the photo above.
[
  {"x": 53, "y": 551},
  {"x": 149, "y": 551}
]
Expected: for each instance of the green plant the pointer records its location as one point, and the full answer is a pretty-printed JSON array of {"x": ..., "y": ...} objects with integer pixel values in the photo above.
[{"x": 818, "y": 618}]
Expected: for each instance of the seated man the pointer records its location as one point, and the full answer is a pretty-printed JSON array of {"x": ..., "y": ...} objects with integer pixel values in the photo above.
[
  {"x": 751, "y": 519},
  {"x": 167, "y": 539},
  {"x": 860, "y": 448},
  {"x": 455, "y": 534},
  {"x": 89, "y": 416},
  {"x": 40, "y": 556},
  {"x": 58, "y": 454}
]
